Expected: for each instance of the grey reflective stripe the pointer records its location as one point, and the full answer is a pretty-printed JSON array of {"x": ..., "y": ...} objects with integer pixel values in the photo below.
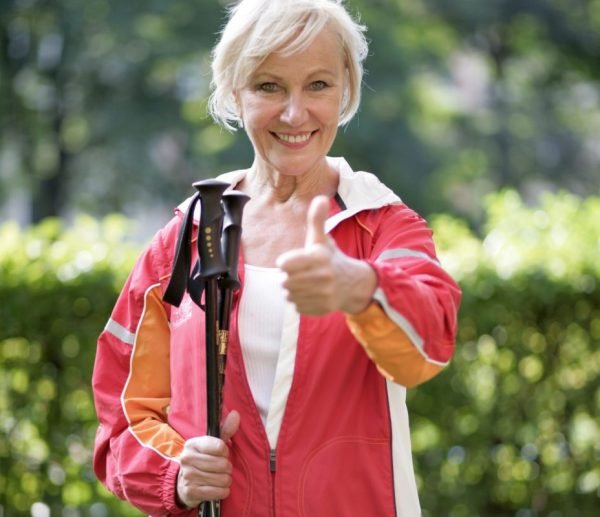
[
  {"x": 405, "y": 252},
  {"x": 404, "y": 324},
  {"x": 120, "y": 332}
]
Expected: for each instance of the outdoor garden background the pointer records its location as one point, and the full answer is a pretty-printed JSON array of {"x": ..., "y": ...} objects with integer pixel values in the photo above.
[{"x": 483, "y": 115}]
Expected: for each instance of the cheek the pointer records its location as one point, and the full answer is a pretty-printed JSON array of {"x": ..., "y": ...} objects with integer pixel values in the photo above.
[
  {"x": 329, "y": 113},
  {"x": 258, "y": 114}
]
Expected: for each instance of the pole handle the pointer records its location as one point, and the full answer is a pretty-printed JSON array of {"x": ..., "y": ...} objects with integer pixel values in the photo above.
[
  {"x": 233, "y": 205},
  {"x": 212, "y": 262}
]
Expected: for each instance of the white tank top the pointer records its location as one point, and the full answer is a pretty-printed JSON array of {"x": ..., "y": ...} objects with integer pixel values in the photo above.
[{"x": 260, "y": 322}]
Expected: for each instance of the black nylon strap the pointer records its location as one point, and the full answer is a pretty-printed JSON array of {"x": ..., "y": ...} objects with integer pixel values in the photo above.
[
  {"x": 180, "y": 274},
  {"x": 196, "y": 285}
]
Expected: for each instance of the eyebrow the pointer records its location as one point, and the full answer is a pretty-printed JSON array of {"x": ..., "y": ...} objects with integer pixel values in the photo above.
[{"x": 276, "y": 77}]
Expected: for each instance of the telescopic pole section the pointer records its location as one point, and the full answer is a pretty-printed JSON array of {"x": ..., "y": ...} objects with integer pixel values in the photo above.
[
  {"x": 213, "y": 382},
  {"x": 213, "y": 408}
]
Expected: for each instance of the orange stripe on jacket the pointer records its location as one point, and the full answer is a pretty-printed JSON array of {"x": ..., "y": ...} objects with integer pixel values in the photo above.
[
  {"x": 390, "y": 348},
  {"x": 147, "y": 394}
]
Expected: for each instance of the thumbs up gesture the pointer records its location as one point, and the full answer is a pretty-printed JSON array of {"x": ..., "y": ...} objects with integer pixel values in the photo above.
[{"x": 320, "y": 277}]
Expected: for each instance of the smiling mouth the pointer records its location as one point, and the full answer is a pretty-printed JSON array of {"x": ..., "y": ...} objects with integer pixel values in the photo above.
[{"x": 294, "y": 139}]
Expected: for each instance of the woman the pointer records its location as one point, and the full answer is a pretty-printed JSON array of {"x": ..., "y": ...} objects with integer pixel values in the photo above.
[{"x": 343, "y": 305}]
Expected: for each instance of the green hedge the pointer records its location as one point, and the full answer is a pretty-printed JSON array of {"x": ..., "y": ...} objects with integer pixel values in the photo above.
[
  {"x": 510, "y": 428},
  {"x": 57, "y": 288}
]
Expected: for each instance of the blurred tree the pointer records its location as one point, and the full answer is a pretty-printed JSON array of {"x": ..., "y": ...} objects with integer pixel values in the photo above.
[
  {"x": 103, "y": 103},
  {"x": 526, "y": 75},
  {"x": 465, "y": 98}
]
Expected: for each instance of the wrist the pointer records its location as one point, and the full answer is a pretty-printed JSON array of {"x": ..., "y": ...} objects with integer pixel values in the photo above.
[
  {"x": 362, "y": 285},
  {"x": 178, "y": 500}
]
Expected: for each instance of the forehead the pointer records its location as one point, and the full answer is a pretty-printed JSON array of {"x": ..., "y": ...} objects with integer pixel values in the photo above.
[{"x": 323, "y": 52}]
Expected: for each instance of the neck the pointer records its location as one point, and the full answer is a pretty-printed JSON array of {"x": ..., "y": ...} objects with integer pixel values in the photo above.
[{"x": 267, "y": 182}]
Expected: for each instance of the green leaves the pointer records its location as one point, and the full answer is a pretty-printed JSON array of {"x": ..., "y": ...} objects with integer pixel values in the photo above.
[
  {"x": 519, "y": 400},
  {"x": 57, "y": 287}
]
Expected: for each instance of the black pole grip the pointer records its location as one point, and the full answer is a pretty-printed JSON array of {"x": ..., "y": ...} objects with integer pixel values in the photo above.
[
  {"x": 211, "y": 223},
  {"x": 233, "y": 204}
]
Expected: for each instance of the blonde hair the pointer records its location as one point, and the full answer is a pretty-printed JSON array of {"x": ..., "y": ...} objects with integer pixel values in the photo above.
[{"x": 257, "y": 28}]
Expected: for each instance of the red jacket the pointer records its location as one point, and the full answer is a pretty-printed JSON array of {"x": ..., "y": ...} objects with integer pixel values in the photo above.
[{"x": 340, "y": 418}]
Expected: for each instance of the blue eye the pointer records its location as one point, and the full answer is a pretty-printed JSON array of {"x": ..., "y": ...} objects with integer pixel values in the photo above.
[
  {"x": 267, "y": 87},
  {"x": 318, "y": 85}
]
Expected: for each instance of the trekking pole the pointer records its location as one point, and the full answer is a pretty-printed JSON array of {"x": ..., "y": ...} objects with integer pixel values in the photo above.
[
  {"x": 233, "y": 204},
  {"x": 211, "y": 266},
  {"x": 215, "y": 274}
]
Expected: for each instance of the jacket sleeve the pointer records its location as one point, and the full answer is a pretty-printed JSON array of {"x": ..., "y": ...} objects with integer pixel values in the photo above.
[
  {"x": 410, "y": 327},
  {"x": 136, "y": 451}
]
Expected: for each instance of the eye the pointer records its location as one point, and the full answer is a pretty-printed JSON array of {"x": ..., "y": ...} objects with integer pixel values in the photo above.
[
  {"x": 318, "y": 85},
  {"x": 267, "y": 87}
]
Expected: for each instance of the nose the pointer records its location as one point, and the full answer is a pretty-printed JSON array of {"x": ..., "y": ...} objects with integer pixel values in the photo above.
[{"x": 295, "y": 110}]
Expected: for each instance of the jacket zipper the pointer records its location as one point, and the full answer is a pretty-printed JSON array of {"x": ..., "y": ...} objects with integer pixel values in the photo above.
[{"x": 273, "y": 465}]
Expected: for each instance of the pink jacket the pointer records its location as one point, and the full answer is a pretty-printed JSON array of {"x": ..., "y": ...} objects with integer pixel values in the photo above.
[{"x": 338, "y": 418}]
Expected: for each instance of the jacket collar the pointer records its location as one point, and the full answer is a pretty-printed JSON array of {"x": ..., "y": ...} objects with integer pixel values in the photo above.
[{"x": 358, "y": 191}]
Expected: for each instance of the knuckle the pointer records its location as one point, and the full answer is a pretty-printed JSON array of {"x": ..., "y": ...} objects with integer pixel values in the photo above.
[
  {"x": 329, "y": 278},
  {"x": 220, "y": 448},
  {"x": 208, "y": 445},
  {"x": 226, "y": 467}
]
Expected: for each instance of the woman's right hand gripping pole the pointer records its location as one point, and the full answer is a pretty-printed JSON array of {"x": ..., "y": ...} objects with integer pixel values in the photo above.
[{"x": 205, "y": 473}]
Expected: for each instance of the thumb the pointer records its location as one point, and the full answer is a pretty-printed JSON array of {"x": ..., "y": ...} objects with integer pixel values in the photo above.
[
  {"x": 315, "y": 224},
  {"x": 230, "y": 425}
]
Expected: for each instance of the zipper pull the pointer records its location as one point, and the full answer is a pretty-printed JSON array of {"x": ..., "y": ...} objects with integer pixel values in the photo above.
[{"x": 272, "y": 460}]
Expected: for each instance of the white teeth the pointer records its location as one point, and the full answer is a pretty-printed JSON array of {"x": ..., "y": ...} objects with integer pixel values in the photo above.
[{"x": 293, "y": 139}]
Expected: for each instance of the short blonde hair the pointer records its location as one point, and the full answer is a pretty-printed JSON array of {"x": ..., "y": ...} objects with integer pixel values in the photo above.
[{"x": 257, "y": 28}]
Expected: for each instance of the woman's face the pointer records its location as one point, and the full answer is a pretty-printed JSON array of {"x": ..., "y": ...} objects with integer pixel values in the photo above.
[{"x": 291, "y": 106}]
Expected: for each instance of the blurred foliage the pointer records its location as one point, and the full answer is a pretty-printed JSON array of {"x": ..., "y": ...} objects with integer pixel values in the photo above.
[
  {"x": 103, "y": 103},
  {"x": 57, "y": 287},
  {"x": 509, "y": 429}
]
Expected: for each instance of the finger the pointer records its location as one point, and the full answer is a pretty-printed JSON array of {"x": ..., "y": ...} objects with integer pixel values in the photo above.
[
  {"x": 208, "y": 479},
  {"x": 292, "y": 260},
  {"x": 206, "y": 445},
  {"x": 230, "y": 425},
  {"x": 199, "y": 464},
  {"x": 207, "y": 493},
  {"x": 192, "y": 490},
  {"x": 315, "y": 224},
  {"x": 304, "y": 260}
]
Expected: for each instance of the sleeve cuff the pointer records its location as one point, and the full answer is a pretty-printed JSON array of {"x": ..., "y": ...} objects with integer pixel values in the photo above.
[{"x": 168, "y": 494}]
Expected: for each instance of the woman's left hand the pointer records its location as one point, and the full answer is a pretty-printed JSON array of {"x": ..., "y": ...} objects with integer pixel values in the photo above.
[{"x": 320, "y": 277}]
